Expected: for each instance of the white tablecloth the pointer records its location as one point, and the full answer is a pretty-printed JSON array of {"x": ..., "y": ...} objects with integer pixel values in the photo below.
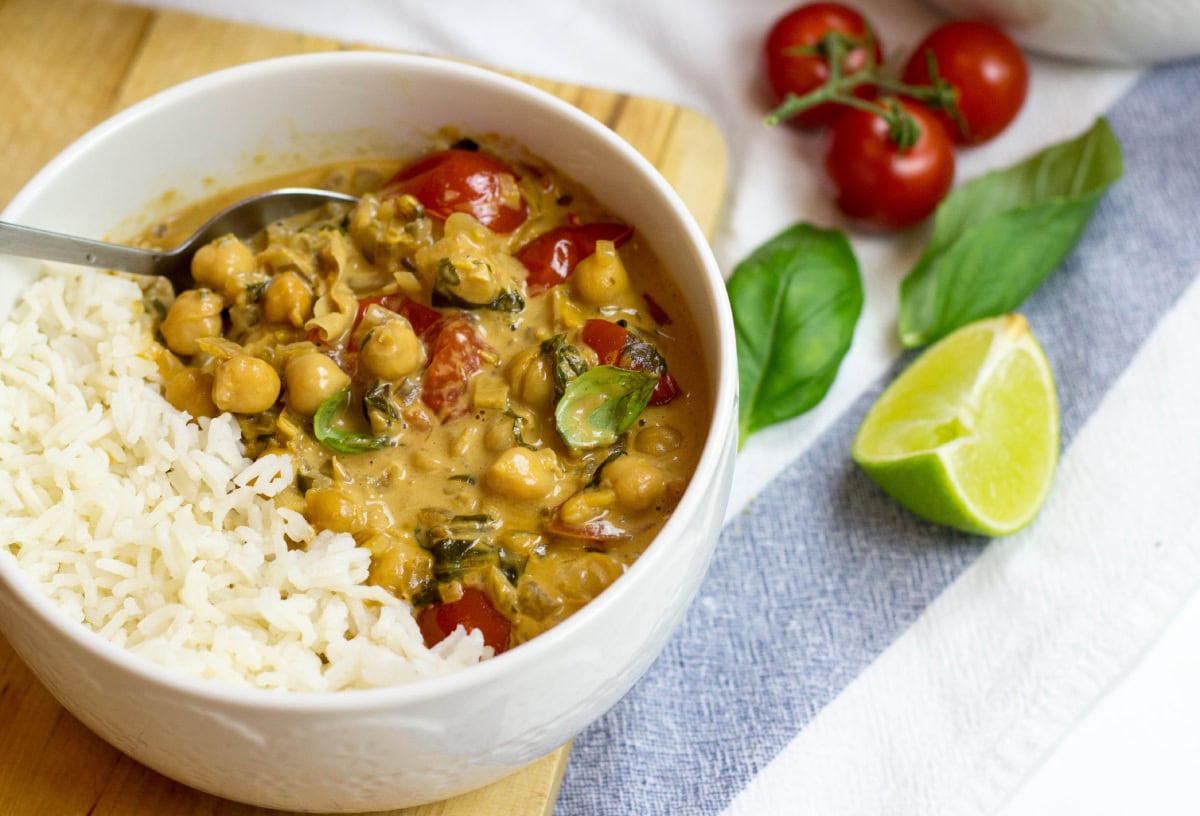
[{"x": 1029, "y": 675}]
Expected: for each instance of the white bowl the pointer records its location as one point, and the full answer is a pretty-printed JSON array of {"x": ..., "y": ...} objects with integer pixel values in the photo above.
[
  {"x": 387, "y": 748},
  {"x": 1132, "y": 32}
]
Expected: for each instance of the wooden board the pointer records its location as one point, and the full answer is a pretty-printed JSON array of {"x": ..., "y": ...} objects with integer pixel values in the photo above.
[{"x": 66, "y": 65}]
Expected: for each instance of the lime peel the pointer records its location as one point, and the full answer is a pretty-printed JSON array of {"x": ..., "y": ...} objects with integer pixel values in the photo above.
[{"x": 968, "y": 435}]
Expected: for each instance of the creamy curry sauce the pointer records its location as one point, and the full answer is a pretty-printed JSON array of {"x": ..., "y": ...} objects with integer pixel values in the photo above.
[{"x": 412, "y": 362}]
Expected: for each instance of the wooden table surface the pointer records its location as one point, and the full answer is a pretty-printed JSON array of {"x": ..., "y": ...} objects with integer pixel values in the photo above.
[{"x": 65, "y": 65}]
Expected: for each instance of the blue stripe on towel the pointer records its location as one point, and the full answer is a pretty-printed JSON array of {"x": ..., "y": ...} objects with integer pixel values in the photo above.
[{"x": 823, "y": 571}]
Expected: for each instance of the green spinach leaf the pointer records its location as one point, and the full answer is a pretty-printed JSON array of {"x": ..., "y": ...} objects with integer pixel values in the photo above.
[
  {"x": 599, "y": 404},
  {"x": 336, "y": 439},
  {"x": 480, "y": 292},
  {"x": 996, "y": 238},
  {"x": 796, "y": 300},
  {"x": 567, "y": 361}
]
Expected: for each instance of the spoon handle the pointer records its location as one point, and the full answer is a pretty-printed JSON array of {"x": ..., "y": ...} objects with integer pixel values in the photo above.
[{"x": 28, "y": 242}]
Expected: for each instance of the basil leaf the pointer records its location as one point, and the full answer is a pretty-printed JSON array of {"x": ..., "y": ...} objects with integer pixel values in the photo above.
[
  {"x": 601, "y": 403},
  {"x": 518, "y": 430},
  {"x": 509, "y": 300},
  {"x": 379, "y": 404},
  {"x": 337, "y": 440},
  {"x": 795, "y": 302},
  {"x": 996, "y": 238}
]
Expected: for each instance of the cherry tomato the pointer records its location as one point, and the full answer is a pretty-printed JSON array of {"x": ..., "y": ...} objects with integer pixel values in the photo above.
[
  {"x": 986, "y": 69},
  {"x": 454, "y": 355},
  {"x": 472, "y": 611},
  {"x": 798, "y": 74},
  {"x": 465, "y": 181},
  {"x": 667, "y": 389},
  {"x": 875, "y": 180},
  {"x": 605, "y": 338},
  {"x": 553, "y": 256}
]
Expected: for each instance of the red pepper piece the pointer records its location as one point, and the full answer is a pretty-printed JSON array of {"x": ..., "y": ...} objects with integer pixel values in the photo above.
[
  {"x": 666, "y": 390},
  {"x": 464, "y": 181},
  {"x": 472, "y": 611},
  {"x": 553, "y": 256},
  {"x": 424, "y": 319},
  {"x": 657, "y": 312}
]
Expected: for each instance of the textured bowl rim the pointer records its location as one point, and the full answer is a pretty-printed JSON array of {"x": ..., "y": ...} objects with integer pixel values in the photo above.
[{"x": 461, "y": 680}]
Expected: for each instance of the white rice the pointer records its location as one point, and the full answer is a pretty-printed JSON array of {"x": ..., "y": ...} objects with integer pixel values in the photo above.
[{"x": 155, "y": 531}]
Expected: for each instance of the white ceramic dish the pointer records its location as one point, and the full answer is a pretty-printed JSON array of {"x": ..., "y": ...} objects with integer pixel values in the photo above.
[
  {"x": 370, "y": 750},
  {"x": 1129, "y": 32}
]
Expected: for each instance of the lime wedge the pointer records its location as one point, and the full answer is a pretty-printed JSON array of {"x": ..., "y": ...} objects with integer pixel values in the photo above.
[{"x": 967, "y": 435}]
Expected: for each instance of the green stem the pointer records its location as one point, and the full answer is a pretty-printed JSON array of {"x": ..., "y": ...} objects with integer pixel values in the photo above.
[
  {"x": 832, "y": 48},
  {"x": 839, "y": 89}
]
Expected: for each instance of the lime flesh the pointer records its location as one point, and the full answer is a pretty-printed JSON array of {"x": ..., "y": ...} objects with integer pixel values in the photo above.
[{"x": 968, "y": 434}]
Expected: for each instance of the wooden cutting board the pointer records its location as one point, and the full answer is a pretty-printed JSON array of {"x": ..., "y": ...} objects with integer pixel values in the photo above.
[{"x": 66, "y": 65}]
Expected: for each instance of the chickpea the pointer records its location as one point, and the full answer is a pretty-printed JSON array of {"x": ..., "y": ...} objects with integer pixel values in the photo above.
[
  {"x": 287, "y": 300},
  {"x": 329, "y": 508},
  {"x": 245, "y": 385},
  {"x": 587, "y": 505},
  {"x": 399, "y": 564},
  {"x": 312, "y": 378},
  {"x": 531, "y": 376},
  {"x": 392, "y": 350},
  {"x": 600, "y": 277},
  {"x": 373, "y": 316},
  {"x": 223, "y": 265},
  {"x": 636, "y": 481},
  {"x": 523, "y": 474},
  {"x": 190, "y": 390},
  {"x": 585, "y": 575},
  {"x": 195, "y": 314},
  {"x": 658, "y": 439}
]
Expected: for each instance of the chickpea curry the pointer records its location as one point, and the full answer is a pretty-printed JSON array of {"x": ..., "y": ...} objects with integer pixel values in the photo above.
[{"x": 479, "y": 374}]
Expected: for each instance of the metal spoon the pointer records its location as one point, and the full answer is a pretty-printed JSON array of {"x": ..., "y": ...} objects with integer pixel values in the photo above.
[{"x": 242, "y": 219}]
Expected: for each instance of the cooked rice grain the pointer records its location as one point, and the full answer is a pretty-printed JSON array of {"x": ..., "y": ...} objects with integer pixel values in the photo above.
[{"x": 154, "y": 530}]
